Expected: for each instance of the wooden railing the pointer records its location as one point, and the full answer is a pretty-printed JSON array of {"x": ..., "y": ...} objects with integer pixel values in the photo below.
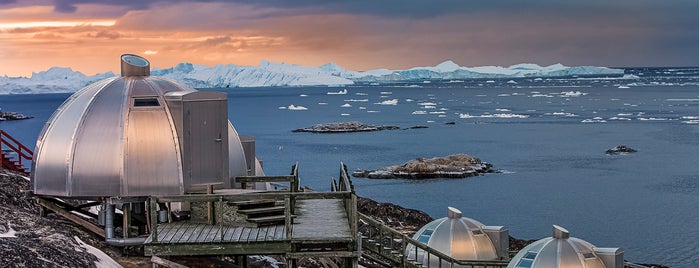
[
  {"x": 404, "y": 251},
  {"x": 344, "y": 185},
  {"x": 14, "y": 145},
  {"x": 292, "y": 179}
]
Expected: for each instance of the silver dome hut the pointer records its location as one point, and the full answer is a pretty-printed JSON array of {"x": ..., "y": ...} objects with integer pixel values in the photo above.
[
  {"x": 563, "y": 251},
  {"x": 138, "y": 135},
  {"x": 461, "y": 238}
]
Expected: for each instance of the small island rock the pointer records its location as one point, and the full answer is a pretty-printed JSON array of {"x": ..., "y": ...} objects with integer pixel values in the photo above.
[
  {"x": 453, "y": 166},
  {"x": 344, "y": 127},
  {"x": 621, "y": 149}
]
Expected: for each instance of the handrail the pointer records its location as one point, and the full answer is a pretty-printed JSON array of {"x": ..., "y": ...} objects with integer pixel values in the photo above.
[
  {"x": 23, "y": 152},
  {"x": 407, "y": 241}
]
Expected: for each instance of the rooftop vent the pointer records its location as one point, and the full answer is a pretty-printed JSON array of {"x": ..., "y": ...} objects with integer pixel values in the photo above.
[{"x": 133, "y": 65}]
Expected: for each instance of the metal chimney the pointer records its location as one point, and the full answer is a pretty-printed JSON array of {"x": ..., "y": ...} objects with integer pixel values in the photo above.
[
  {"x": 134, "y": 65},
  {"x": 560, "y": 232}
]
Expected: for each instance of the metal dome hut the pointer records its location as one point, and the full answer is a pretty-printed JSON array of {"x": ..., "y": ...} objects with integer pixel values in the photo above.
[
  {"x": 563, "y": 251},
  {"x": 138, "y": 135},
  {"x": 461, "y": 238},
  {"x": 123, "y": 139}
]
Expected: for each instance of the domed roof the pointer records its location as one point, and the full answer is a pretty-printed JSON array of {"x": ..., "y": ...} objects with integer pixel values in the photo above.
[
  {"x": 124, "y": 136},
  {"x": 560, "y": 250},
  {"x": 459, "y": 237}
]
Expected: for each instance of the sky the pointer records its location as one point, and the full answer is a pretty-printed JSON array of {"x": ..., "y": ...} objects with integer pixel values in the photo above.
[{"x": 89, "y": 35}]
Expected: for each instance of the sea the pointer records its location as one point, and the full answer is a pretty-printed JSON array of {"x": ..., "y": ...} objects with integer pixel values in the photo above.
[{"x": 546, "y": 137}]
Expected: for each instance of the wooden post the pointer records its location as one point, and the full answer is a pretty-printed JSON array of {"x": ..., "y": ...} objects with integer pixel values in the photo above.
[
  {"x": 210, "y": 206},
  {"x": 287, "y": 216},
  {"x": 126, "y": 222},
  {"x": 153, "y": 210},
  {"x": 220, "y": 213}
]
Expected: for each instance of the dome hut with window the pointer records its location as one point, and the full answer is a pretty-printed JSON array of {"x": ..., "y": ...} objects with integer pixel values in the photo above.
[
  {"x": 563, "y": 251},
  {"x": 461, "y": 238}
]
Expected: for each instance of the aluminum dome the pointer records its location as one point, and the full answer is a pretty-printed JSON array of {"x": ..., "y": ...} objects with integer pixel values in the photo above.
[
  {"x": 461, "y": 238},
  {"x": 137, "y": 135},
  {"x": 563, "y": 251}
]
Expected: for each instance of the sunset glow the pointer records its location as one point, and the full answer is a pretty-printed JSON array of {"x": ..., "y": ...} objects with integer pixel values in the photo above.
[{"x": 359, "y": 35}]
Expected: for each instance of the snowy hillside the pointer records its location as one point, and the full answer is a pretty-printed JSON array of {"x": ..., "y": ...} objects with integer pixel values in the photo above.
[
  {"x": 59, "y": 79},
  {"x": 53, "y": 80}
]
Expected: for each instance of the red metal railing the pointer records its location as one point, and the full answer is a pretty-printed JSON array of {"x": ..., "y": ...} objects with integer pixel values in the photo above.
[{"x": 23, "y": 153}]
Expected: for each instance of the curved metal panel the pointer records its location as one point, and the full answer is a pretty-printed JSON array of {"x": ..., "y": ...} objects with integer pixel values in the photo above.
[
  {"x": 237, "y": 165},
  {"x": 151, "y": 160},
  {"x": 52, "y": 164},
  {"x": 97, "y": 157}
]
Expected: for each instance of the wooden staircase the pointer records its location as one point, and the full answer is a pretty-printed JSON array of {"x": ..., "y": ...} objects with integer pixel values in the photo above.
[
  {"x": 262, "y": 212},
  {"x": 13, "y": 153}
]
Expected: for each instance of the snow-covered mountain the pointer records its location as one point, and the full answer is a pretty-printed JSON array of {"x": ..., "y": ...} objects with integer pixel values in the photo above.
[
  {"x": 53, "y": 80},
  {"x": 59, "y": 79}
]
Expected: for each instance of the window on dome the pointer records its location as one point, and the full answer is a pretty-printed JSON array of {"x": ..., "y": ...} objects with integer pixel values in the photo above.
[
  {"x": 530, "y": 255},
  {"x": 425, "y": 236},
  {"x": 588, "y": 255},
  {"x": 527, "y": 260},
  {"x": 424, "y": 239},
  {"x": 477, "y": 232},
  {"x": 146, "y": 102},
  {"x": 524, "y": 263}
]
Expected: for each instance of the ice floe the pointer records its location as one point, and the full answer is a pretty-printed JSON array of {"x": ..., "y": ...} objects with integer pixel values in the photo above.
[
  {"x": 572, "y": 94},
  {"x": 341, "y": 92},
  {"x": 500, "y": 115},
  {"x": 388, "y": 102},
  {"x": 296, "y": 108}
]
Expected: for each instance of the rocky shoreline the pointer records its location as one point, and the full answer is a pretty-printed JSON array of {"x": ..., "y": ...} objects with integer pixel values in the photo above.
[
  {"x": 29, "y": 240},
  {"x": 344, "y": 127},
  {"x": 452, "y": 166}
]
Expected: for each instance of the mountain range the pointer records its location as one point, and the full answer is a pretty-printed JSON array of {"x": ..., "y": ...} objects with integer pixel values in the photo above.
[{"x": 271, "y": 74}]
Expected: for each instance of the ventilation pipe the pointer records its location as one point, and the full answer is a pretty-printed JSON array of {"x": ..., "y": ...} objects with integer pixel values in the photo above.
[
  {"x": 133, "y": 65},
  {"x": 109, "y": 232}
]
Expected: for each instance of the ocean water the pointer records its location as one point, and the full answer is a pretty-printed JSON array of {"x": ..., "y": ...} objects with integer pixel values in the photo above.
[{"x": 547, "y": 137}]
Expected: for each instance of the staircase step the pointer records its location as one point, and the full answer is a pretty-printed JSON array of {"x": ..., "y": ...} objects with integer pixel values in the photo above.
[
  {"x": 250, "y": 204},
  {"x": 269, "y": 219},
  {"x": 252, "y": 211}
]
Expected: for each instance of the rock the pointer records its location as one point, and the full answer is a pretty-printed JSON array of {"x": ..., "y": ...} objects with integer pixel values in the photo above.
[
  {"x": 6, "y": 116},
  {"x": 453, "y": 166},
  {"x": 621, "y": 149},
  {"x": 450, "y": 123},
  {"x": 344, "y": 127}
]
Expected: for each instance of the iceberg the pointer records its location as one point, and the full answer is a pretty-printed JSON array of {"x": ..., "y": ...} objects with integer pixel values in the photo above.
[
  {"x": 271, "y": 74},
  {"x": 296, "y": 108}
]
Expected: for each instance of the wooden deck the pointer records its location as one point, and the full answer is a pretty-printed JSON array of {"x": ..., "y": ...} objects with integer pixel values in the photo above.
[
  {"x": 320, "y": 219},
  {"x": 316, "y": 221}
]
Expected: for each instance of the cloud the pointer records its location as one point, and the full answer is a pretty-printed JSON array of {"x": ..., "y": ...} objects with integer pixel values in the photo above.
[{"x": 105, "y": 34}]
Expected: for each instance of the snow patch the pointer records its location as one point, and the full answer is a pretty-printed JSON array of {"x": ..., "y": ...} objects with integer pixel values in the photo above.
[{"x": 103, "y": 260}]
